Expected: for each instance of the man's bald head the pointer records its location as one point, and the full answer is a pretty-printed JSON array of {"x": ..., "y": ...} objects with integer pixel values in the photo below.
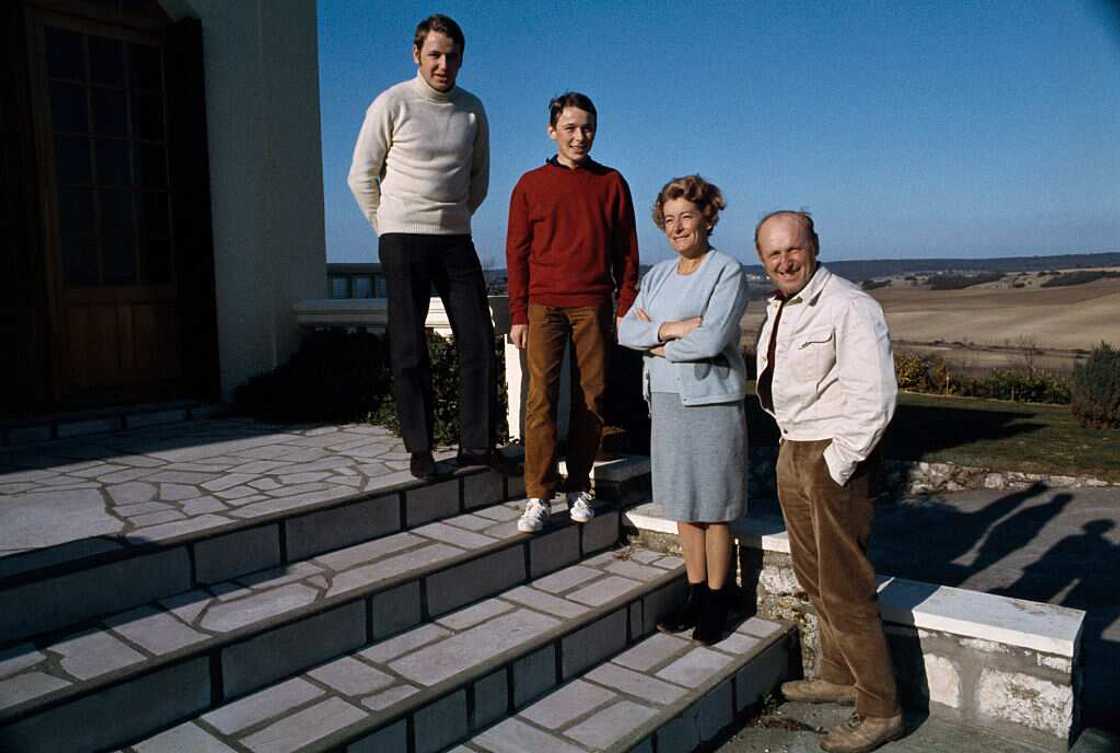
[{"x": 802, "y": 218}]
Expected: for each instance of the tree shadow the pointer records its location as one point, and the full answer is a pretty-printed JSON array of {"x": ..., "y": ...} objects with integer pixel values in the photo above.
[{"x": 918, "y": 430}]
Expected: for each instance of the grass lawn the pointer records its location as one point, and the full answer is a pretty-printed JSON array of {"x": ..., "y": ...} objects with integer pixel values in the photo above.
[{"x": 987, "y": 433}]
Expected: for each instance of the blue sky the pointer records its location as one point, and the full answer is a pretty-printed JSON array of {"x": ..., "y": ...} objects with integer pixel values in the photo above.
[{"x": 910, "y": 129}]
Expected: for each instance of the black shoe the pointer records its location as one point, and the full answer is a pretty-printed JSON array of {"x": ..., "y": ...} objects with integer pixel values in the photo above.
[
  {"x": 713, "y": 617},
  {"x": 423, "y": 466},
  {"x": 490, "y": 459},
  {"x": 687, "y": 614}
]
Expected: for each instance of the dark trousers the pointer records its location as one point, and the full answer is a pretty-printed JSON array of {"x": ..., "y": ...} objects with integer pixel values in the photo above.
[
  {"x": 829, "y": 528},
  {"x": 550, "y": 329},
  {"x": 413, "y": 264}
]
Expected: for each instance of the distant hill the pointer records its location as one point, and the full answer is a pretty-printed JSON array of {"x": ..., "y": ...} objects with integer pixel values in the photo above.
[
  {"x": 867, "y": 269},
  {"x": 871, "y": 268}
]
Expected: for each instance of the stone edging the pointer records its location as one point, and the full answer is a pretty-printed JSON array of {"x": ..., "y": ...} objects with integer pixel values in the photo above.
[
  {"x": 1024, "y": 624},
  {"x": 906, "y": 477}
]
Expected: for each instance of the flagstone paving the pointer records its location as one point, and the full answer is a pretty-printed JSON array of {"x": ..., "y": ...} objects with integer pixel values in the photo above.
[{"x": 73, "y": 497}]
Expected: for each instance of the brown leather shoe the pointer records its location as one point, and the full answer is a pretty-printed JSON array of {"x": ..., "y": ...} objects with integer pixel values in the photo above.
[
  {"x": 819, "y": 691},
  {"x": 861, "y": 734}
]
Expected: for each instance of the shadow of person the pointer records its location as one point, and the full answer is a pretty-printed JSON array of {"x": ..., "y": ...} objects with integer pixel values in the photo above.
[
  {"x": 1016, "y": 531},
  {"x": 1085, "y": 563},
  {"x": 923, "y": 538},
  {"x": 1079, "y": 571}
]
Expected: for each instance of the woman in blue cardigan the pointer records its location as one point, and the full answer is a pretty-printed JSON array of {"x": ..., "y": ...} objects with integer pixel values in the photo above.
[{"x": 686, "y": 319}]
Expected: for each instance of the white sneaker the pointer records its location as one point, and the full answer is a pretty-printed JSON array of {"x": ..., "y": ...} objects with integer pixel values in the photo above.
[
  {"x": 579, "y": 506},
  {"x": 534, "y": 517}
]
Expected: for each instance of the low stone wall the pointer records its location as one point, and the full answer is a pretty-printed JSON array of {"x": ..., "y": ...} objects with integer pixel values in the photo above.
[
  {"x": 1028, "y": 692},
  {"x": 1005, "y": 664},
  {"x": 906, "y": 477}
]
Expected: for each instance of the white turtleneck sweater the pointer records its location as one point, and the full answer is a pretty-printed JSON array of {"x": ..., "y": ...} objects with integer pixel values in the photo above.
[{"x": 422, "y": 161}]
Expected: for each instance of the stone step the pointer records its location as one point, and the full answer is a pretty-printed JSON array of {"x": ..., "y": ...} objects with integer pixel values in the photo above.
[
  {"x": 435, "y": 684},
  {"x": 206, "y": 645},
  {"x": 666, "y": 693},
  {"x": 51, "y": 589}
]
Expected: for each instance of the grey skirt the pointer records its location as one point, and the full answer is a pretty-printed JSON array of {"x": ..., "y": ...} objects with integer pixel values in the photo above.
[{"x": 698, "y": 456}]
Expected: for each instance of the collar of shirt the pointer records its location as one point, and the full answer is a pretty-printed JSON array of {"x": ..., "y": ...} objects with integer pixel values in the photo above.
[
  {"x": 808, "y": 293},
  {"x": 435, "y": 95},
  {"x": 587, "y": 164}
]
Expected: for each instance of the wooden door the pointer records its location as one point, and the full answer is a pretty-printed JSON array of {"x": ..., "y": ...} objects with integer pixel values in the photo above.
[
  {"x": 25, "y": 387},
  {"x": 101, "y": 112}
]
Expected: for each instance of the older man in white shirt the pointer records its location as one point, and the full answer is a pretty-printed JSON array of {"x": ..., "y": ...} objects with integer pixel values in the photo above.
[{"x": 826, "y": 375}]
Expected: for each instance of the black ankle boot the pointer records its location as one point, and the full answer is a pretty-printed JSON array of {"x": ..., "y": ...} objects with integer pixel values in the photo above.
[
  {"x": 687, "y": 614},
  {"x": 713, "y": 618}
]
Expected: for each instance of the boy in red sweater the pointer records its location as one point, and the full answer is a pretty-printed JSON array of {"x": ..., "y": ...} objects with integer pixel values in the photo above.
[{"x": 571, "y": 247}]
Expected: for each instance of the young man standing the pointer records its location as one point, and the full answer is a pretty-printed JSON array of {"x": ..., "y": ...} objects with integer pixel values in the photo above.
[
  {"x": 421, "y": 168},
  {"x": 571, "y": 248}
]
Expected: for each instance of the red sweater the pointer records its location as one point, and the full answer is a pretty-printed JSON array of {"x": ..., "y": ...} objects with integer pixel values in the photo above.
[{"x": 571, "y": 239}]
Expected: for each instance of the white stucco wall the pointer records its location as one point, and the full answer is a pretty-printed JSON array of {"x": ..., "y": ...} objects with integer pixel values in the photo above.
[{"x": 262, "y": 103}]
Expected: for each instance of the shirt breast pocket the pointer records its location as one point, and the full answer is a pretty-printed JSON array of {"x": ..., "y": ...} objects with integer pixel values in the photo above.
[{"x": 813, "y": 353}]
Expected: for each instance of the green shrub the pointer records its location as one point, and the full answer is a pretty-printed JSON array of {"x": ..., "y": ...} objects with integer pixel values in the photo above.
[
  {"x": 334, "y": 376},
  {"x": 1021, "y": 385},
  {"x": 912, "y": 371},
  {"x": 930, "y": 373},
  {"x": 1096, "y": 389},
  {"x": 445, "y": 394},
  {"x": 345, "y": 377}
]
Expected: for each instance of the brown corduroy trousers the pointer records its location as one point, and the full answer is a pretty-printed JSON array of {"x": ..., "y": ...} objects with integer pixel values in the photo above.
[
  {"x": 550, "y": 328},
  {"x": 829, "y": 527}
]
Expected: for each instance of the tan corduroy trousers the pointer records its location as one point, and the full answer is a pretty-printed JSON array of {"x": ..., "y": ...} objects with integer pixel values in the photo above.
[
  {"x": 550, "y": 328},
  {"x": 829, "y": 527}
]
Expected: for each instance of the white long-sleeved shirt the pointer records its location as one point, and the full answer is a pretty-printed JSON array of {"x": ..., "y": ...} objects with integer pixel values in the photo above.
[
  {"x": 833, "y": 370},
  {"x": 422, "y": 160}
]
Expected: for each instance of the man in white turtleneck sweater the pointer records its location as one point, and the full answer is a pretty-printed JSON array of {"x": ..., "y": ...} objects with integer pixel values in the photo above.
[{"x": 421, "y": 168}]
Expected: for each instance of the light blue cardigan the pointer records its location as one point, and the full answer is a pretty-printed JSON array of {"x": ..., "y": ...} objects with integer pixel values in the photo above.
[{"x": 708, "y": 363}]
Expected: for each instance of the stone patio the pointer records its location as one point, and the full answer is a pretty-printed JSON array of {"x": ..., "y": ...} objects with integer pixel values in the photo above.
[{"x": 70, "y": 498}]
